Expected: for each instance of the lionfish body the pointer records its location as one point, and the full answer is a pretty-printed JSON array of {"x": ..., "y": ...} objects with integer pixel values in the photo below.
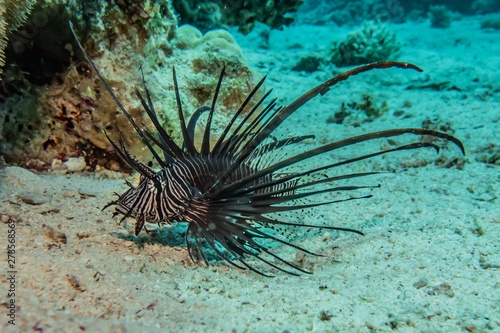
[{"x": 232, "y": 194}]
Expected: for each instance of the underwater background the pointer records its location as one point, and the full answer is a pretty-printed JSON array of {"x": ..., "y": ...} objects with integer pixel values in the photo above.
[{"x": 429, "y": 260}]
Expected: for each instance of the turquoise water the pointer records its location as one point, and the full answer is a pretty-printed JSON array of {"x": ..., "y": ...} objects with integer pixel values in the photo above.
[{"x": 428, "y": 260}]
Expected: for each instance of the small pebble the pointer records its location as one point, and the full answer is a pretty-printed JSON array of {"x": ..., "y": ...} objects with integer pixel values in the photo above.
[
  {"x": 32, "y": 198},
  {"x": 110, "y": 174},
  {"x": 56, "y": 236},
  {"x": 68, "y": 194},
  {"x": 59, "y": 172},
  {"x": 442, "y": 289},
  {"x": 128, "y": 258},
  {"x": 421, "y": 283},
  {"x": 113, "y": 165},
  {"x": 233, "y": 293},
  {"x": 89, "y": 191},
  {"x": 482, "y": 158},
  {"x": 57, "y": 165},
  {"x": 128, "y": 243},
  {"x": 75, "y": 164}
]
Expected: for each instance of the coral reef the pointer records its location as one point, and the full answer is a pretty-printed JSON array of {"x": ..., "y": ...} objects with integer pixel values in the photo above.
[
  {"x": 54, "y": 118},
  {"x": 485, "y": 6},
  {"x": 198, "y": 60},
  {"x": 204, "y": 15},
  {"x": 44, "y": 125},
  {"x": 354, "y": 12},
  {"x": 441, "y": 17},
  {"x": 58, "y": 121},
  {"x": 12, "y": 16},
  {"x": 350, "y": 12},
  {"x": 103, "y": 24},
  {"x": 209, "y": 15},
  {"x": 373, "y": 42},
  {"x": 491, "y": 21}
]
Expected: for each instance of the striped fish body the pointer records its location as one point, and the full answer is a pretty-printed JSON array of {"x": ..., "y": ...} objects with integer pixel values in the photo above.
[{"x": 174, "y": 194}]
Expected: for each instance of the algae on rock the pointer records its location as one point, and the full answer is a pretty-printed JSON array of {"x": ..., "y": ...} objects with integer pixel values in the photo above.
[
  {"x": 69, "y": 120},
  {"x": 216, "y": 14}
]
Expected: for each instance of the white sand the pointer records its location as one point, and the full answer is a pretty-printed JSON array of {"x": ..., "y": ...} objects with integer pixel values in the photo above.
[{"x": 429, "y": 261}]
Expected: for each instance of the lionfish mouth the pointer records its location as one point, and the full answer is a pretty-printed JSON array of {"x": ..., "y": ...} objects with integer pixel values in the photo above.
[{"x": 234, "y": 194}]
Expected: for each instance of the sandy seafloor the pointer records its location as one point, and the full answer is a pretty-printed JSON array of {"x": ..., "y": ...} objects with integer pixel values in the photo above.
[{"x": 429, "y": 261}]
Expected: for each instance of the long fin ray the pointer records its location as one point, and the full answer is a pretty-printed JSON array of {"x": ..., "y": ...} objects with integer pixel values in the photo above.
[
  {"x": 288, "y": 110},
  {"x": 205, "y": 144},
  {"x": 235, "y": 116},
  {"x": 333, "y": 146},
  {"x": 185, "y": 135}
]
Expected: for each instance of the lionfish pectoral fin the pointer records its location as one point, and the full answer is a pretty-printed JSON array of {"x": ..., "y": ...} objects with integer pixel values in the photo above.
[
  {"x": 234, "y": 248},
  {"x": 141, "y": 220},
  {"x": 109, "y": 204},
  {"x": 276, "y": 222},
  {"x": 246, "y": 240},
  {"x": 199, "y": 248},
  {"x": 289, "y": 263},
  {"x": 281, "y": 180},
  {"x": 211, "y": 244}
]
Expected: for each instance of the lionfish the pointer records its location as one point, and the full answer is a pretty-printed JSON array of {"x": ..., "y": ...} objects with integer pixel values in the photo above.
[{"x": 232, "y": 194}]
